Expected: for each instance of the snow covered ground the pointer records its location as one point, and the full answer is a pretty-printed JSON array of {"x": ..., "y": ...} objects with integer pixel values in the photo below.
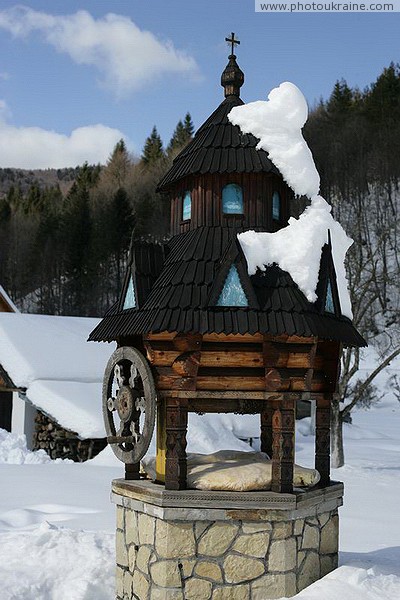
[{"x": 57, "y": 524}]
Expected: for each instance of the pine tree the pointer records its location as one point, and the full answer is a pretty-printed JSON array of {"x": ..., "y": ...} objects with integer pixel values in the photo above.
[
  {"x": 118, "y": 165},
  {"x": 121, "y": 224},
  {"x": 77, "y": 229},
  {"x": 182, "y": 135},
  {"x": 340, "y": 102},
  {"x": 153, "y": 148},
  {"x": 188, "y": 125}
]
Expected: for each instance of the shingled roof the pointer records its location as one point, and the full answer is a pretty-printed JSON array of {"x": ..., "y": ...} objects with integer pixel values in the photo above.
[
  {"x": 181, "y": 298},
  {"x": 219, "y": 147}
]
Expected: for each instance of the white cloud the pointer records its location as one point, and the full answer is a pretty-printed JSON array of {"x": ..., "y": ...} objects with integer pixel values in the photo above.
[
  {"x": 126, "y": 56},
  {"x": 36, "y": 148}
]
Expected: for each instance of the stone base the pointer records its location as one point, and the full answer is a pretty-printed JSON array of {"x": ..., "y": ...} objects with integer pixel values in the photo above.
[{"x": 195, "y": 545}]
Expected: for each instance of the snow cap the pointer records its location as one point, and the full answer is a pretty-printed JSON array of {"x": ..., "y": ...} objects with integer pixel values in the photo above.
[{"x": 277, "y": 122}]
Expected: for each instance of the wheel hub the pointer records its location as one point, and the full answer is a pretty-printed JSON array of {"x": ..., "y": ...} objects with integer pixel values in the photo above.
[{"x": 125, "y": 403}]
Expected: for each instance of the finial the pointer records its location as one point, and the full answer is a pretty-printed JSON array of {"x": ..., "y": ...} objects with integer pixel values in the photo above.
[
  {"x": 232, "y": 77},
  {"x": 232, "y": 41}
]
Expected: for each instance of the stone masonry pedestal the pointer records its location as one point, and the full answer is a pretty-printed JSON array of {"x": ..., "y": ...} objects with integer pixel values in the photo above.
[{"x": 194, "y": 545}]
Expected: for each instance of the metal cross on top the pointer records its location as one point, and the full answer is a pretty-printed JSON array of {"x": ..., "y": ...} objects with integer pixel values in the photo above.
[{"x": 232, "y": 41}]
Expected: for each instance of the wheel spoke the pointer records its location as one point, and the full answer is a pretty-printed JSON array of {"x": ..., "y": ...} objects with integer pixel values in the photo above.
[
  {"x": 136, "y": 434},
  {"x": 119, "y": 376},
  {"x": 111, "y": 404},
  {"x": 133, "y": 376},
  {"x": 140, "y": 404}
]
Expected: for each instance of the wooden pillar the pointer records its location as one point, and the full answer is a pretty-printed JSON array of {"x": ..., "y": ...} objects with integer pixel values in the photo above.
[
  {"x": 283, "y": 439},
  {"x": 161, "y": 440},
  {"x": 176, "y": 429},
  {"x": 266, "y": 429},
  {"x": 132, "y": 471},
  {"x": 322, "y": 437}
]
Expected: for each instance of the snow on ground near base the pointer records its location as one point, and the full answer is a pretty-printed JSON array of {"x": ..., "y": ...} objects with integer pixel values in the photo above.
[
  {"x": 13, "y": 450},
  {"x": 73, "y": 558},
  {"x": 57, "y": 564},
  {"x": 63, "y": 373}
]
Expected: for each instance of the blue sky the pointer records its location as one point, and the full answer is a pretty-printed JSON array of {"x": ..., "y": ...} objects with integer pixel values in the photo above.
[{"x": 73, "y": 80}]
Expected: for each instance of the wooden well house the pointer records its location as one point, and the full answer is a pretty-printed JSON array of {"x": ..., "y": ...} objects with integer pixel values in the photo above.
[{"x": 217, "y": 340}]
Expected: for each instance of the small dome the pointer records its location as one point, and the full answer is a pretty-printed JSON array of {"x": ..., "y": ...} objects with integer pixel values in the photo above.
[{"x": 232, "y": 78}]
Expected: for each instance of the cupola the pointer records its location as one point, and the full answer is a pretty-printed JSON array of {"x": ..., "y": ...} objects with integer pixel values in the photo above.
[{"x": 221, "y": 178}]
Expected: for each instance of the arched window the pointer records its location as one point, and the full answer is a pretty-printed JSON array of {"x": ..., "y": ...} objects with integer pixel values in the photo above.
[
  {"x": 276, "y": 206},
  {"x": 130, "y": 299},
  {"x": 187, "y": 206},
  {"x": 232, "y": 199},
  {"x": 232, "y": 293}
]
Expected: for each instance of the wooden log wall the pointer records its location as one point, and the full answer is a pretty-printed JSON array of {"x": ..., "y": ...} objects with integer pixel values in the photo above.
[
  {"x": 240, "y": 363},
  {"x": 62, "y": 443},
  {"x": 206, "y": 194},
  {"x": 244, "y": 374}
]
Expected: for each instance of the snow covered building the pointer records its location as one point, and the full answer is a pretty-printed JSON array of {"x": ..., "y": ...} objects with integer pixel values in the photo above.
[{"x": 50, "y": 383}]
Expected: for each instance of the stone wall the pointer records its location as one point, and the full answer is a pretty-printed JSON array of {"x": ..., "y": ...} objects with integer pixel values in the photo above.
[{"x": 247, "y": 555}]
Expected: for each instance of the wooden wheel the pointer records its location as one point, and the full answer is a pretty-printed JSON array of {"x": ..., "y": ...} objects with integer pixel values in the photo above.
[{"x": 129, "y": 404}]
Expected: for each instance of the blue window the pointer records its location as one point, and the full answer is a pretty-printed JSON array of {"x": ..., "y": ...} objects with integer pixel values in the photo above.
[
  {"x": 232, "y": 293},
  {"x": 276, "y": 206},
  {"x": 329, "y": 304},
  {"x": 232, "y": 199},
  {"x": 130, "y": 299},
  {"x": 187, "y": 206}
]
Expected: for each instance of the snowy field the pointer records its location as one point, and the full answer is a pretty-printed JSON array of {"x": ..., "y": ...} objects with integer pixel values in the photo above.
[{"x": 56, "y": 521}]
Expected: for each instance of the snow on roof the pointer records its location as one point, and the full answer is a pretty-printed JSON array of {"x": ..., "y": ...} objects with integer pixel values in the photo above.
[
  {"x": 8, "y": 300},
  {"x": 62, "y": 373},
  {"x": 277, "y": 123},
  {"x": 296, "y": 248}
]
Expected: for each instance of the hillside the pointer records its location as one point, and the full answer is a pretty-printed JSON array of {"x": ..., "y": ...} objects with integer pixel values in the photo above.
[{"x": 43, "y": 178}]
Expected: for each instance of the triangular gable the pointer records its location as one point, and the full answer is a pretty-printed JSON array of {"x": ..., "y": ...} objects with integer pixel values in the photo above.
[
  {"x": 145, "y": 263},
  {"x": 232, "y": 294},
  {"x": 232, "y": 282},
  {"x": 328, "y": 301},
  {"x": 130, "y": 296}
]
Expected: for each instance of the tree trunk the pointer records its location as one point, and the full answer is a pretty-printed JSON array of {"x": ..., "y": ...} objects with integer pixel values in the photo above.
[{"x": 337, "y": 450}]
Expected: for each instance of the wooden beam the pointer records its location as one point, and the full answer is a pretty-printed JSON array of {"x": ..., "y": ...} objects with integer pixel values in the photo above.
[
  {"x": 187, "y": 342},
  {"x": 187, "y": 364},
  {"x": 322, "y": 437},
  {"x": 257, "y": 338},
  {"x": 283, "y": 443},
  {"x": 161, "y": 439},
  {"x": 266, "y": 429},
  {"x": 132, "y": 471},
  {"x": 176, "y": 430}
]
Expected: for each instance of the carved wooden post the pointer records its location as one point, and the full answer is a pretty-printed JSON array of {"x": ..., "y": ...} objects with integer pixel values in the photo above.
[
  {"x": 322, "y": 437},
  {"x": 186, "y": 366},
  {"x": 283, "y": 421},
  {"x": 176, "y": 426},
  {"x": 266, "y": 429}
]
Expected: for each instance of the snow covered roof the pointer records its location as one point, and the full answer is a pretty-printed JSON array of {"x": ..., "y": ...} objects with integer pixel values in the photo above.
[
  {"x": 5, "y": 298},
  {"x": 49, "y": 357},
  {"x": 277, "y": 123}
]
